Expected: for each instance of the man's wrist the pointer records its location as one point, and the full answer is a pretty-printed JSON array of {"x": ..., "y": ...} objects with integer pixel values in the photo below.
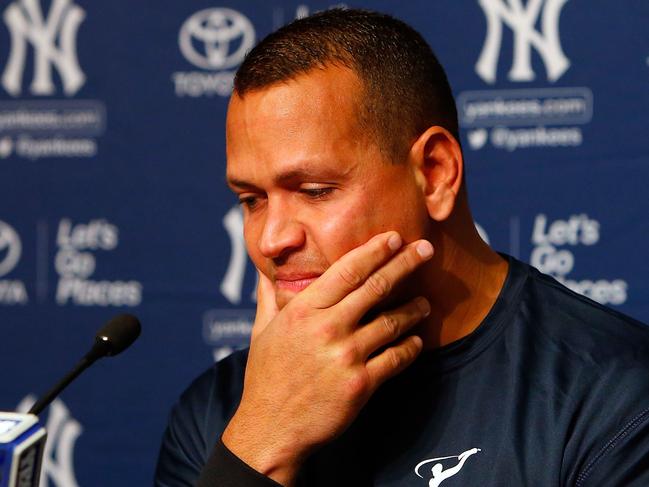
[
  {"x": 225, "y": 469},
  {"x": 278, "y": 461}
]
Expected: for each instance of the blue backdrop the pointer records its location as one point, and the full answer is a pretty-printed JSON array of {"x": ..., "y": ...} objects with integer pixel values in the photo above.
[{"x": 112, "y": 194}]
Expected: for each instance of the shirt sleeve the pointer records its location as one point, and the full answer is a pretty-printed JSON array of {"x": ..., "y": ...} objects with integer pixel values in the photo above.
[
  {"x": 225, "y": 469},
  {"x": 611, "y": 434},
  {"x": 623, "y": 461}
]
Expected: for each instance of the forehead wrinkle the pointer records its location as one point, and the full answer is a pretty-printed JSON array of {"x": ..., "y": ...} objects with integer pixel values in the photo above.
[
  {"x": 314, "y": 93},
  {"x": 290, "y": 114}
]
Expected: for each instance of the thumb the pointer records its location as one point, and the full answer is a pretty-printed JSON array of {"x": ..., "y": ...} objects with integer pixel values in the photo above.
[{"x": 266, "y": 304}]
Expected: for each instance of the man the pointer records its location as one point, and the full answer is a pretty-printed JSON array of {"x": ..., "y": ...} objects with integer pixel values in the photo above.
[{"x": 373, "y": 361}]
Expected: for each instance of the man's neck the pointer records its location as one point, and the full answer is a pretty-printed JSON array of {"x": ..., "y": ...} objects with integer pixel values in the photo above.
[{"x": 463, "y": 283}]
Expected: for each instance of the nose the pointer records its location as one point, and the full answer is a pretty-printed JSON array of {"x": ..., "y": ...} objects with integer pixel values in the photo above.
[{"x": 282, "y": 231}]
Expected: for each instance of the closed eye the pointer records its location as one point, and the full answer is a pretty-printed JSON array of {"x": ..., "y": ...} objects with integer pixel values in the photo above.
[
  {"x": 316, "y": 193},
  {"x": 249, "y": 202}
]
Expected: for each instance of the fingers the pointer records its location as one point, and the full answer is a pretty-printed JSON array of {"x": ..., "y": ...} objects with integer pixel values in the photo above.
[
  {"x": 380, "y": 283},
  {"x": 266, "y": 304},
  {"x": 389, "y": 326},
  {"x": 351, "y": 270},
  {"x": 393, "y": 360}
]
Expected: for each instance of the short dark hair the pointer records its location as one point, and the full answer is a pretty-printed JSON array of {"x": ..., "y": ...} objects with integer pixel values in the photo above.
[{"x": 404, "y": 87}]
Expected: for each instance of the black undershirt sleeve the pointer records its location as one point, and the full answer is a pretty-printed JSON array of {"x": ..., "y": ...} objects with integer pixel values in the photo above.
[{"x": 225, "y": 469}]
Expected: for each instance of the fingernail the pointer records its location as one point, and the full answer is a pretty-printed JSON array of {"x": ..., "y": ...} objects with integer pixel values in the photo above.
[
  {"x": 424, "y": 306},
  {"x": 394, "y": 242},
  {"x": 424, "y": 249}
]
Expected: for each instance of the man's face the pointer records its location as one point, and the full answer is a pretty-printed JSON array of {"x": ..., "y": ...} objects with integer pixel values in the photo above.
[{"x": 313, "y": 184}]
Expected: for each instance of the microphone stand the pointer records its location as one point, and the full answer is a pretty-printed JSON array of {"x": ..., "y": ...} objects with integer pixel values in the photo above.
[{"x": 99, "y": 349}]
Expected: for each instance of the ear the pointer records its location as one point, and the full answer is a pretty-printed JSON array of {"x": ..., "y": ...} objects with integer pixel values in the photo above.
[{"x": 437, "y": 158}]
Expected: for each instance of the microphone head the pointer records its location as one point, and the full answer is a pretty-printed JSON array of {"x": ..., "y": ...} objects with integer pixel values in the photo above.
[{"x": 118, "y": 334}]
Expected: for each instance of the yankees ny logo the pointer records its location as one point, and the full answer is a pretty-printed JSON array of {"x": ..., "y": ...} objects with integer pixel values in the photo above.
[
  {"x": 58, "y": 456},
  {"x": 522, "y": 21},
  {"x": 54, "y": 42},
  {"x": 232, "y": 283}
]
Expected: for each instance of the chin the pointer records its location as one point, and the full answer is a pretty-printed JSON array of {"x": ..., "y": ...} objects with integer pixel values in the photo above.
[{"x": 282, "y": 298}]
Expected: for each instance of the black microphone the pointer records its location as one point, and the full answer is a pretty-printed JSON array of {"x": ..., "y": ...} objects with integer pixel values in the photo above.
[
  {"x": 116, "y": 336},
  {"x": 22, "y": 438}
]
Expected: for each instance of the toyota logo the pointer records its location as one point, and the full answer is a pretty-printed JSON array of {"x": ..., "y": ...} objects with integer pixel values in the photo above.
[
  {"x": 216, "y": 38},
  {"x": 10, "y": 248}
]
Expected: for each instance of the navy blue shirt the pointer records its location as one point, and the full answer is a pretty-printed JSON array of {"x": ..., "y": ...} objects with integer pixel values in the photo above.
[{"x": 551, "y": 389}]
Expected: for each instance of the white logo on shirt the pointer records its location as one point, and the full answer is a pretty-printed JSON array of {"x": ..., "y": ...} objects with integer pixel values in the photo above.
[{"x": 439, "y": 474}]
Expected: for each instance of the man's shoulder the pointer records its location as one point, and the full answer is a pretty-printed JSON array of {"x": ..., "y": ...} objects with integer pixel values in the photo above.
[
  {"x": 209, "y": 402},
  {"x": 580, "y": 328},
  {"x": 198, "y": 419},
  {"x": 222, "y": 382},
  {"x": 583, "y": 368}
]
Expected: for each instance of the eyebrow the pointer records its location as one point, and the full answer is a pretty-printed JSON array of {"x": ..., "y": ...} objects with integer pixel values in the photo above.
[
  {"x": 293, "y": 175},
  {"x": 239, "y": 184}
]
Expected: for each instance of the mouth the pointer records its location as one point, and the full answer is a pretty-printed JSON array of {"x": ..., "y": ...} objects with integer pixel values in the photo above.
[{"x": 294, "y": 282}]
